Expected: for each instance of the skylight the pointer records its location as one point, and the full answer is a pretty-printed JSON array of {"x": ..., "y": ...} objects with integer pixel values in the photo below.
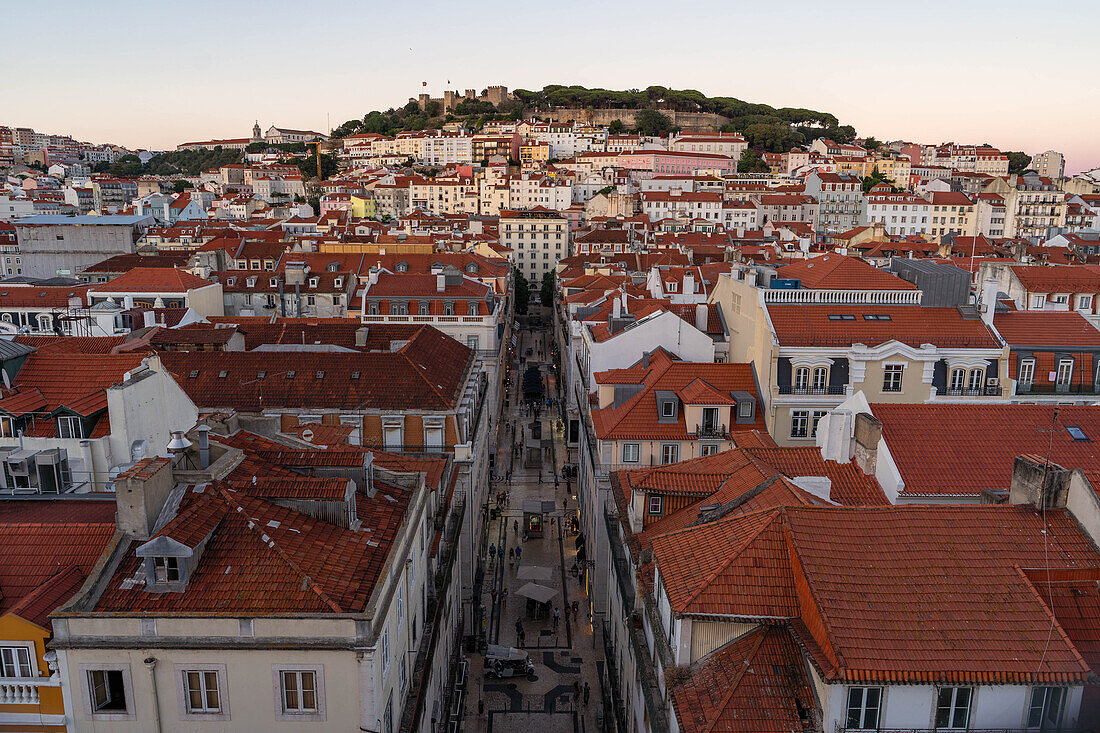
[
  {"x": 1076, "y": 433},
  {"x": 841, "y": 317}
]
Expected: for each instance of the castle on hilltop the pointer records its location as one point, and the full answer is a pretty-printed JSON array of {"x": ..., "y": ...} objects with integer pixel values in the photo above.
[{"x": 452, "y": 99}]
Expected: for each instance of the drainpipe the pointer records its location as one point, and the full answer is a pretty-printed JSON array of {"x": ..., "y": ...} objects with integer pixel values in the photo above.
[{"x": 151, "y": 665}]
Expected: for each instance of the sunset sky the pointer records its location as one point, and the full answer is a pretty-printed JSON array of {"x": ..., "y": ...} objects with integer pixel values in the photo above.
[{"x": 1013, "y": 74}]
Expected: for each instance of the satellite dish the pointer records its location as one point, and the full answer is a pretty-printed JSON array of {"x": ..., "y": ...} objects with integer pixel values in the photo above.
[{"x": 307, "y": 435}]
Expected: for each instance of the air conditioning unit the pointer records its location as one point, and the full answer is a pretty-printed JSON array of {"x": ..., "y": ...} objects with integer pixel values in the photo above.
[
  {"x": 993, "y": 382},
  {"x": 20, "y": 463}
]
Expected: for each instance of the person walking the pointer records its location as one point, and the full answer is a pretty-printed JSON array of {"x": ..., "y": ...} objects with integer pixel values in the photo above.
[
  {"x": 504, "y": 599},
  {"x": 515, "y": 528},
  {"x": 511, "y": 557},
  {"x": 576, "y": 691},
  {"x": 492, "y": 553},
  {"x": 587, "y": 691},
  {"x": 557, "y": 617},
  {"x": 493, "y": 594}
]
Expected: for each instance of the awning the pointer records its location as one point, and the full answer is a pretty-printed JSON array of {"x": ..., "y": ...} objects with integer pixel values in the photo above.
[
  {"x": 537, "y": 592},
  {"x": 505, "y": 652},
  {"x": 534, "y": 572},
  {"x": 537, "y": 506}
]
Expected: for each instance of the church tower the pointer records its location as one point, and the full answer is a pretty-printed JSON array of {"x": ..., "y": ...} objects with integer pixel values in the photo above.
[{"x": 256, "y": 137}]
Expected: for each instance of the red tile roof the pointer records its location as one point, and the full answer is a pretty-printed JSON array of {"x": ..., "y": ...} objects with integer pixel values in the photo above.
[
  {"x": 1059, "y": 278},
  {"x": 819, "y": 325},
  {"x": 151, "y": 280},
  {"x": 1052, "y": 329},
  {"x": 13, "y": 295},
  {"x": 70, "y": 380},
  {"x": 426, "y": 373},
  {"x": 756, "y": 683},
  {"x": 636, "y": 417},
  {"x": 961, "y": 450},
  {"x": 260, "y": 559},
  {"x": 940, "y": 599},
  {"x": 838, "y": 272}
]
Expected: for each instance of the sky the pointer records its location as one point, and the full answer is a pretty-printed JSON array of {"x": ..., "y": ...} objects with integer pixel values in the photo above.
[{"x": 151, "y": 75}]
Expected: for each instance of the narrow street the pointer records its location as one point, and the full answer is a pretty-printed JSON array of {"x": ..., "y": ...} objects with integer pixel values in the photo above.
[{"x": 564, "y": 654}]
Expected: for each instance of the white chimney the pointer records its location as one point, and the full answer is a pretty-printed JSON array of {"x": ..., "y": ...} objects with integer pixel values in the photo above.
[
  {"x": 689, "y": 283},
  {"x": 626, "y": 304},
  {"x": 701, "y": 316},
  {"x": 834, "y": 436},
  {"x": 149, "y": 318},
  {"x": 616, "y": 308},
  {"x": 440, "y": 282},
  {"x": 989, "y": 300}
]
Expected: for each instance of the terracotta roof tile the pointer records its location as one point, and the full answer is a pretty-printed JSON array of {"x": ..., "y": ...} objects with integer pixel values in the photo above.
[
  {"x": 821, "y": 325},
  {"x": 838, "y": 272}
]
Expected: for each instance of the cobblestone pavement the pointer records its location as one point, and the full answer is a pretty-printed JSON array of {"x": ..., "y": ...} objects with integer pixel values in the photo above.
[{"x": 566, "y": 654}]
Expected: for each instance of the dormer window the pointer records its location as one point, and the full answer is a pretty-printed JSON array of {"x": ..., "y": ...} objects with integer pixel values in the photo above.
[
  {"x": 402, "y": 267},
  {"x": 334, "y": 267},
  {"x": 668, "y": 409},
  {"x": 338, "y": 282},
  {"x": 166, "y": 570},
  {"x": 314, "y": 282},
  {"x": 251, "y": 282}
]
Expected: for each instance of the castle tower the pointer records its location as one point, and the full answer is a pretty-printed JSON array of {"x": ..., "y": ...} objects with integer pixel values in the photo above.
[{"x": 256, "y": 136}]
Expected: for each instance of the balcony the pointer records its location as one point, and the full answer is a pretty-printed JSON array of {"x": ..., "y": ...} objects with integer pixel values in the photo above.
[
  {"x": 1024, "y": 388},
  {"x": 24, "y": 690},
  {"x": 979, "y": 392},
  {"x": 711, "y": 431},
  {"x": 839, "y": 390}
]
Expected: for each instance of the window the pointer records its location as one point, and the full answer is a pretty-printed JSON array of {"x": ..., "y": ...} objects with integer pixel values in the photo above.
[
  {"x": 299, "y": 690},
  {"x": 7, "y": 427},
  {"x": 977, "y": 377},
  {"x": 1027, "y": 372},
  {"x": 631, "y": 452},
  {"x": 202, "y": 691},
  {"x": 656, "y": 504},
  {"x": 166, "y": 570},
  {"x": 668, "y": 409},
  {"x": 1038, "y": 301},
  {"x": 708, "y": 449},
  {"x": 15, "y": 661},
  {"x": 471, "y": 342},
  {"x": 68, "y": 427},
  {"x": 863, "y": 707},
  {"x": 817, "y": 415},
  {"x": 1045, "y": 712},
  {"x": 821, "y": 378},
  {"x": 1084, "y": 302},
  {"x": 1065, "y": 372},
  {"x": 800, "y": 423},
  {"x": 801, "y": 378},
  {"x": 670, "y": 453},
  {"x": 107, "y": 690},
  {"x": 958, "y": 379},
  {"x": 953, "y": 707},
  {"x": 891, "y": 377}
]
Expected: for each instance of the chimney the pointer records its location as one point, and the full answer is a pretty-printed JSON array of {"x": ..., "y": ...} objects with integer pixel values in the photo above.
[
  {"x": 361, "y": 336},
  {"x": 989, "y": 300},
  {"x": 701, "y": 316},
  {"x": 616, "y": 308},
  {"x": 689, "y": 283},
  {"x": 149, "y": 318},
  {"x": 868, "y": 432},
  {"x": 626, "y": 305},
  {"x": 140, "y": 494},
  {"x": 834, "y": 436},
  {"x": 203, "y": 433},
  {"x": 440, "y": 283},
  {"x": 1036, "y": 481}
]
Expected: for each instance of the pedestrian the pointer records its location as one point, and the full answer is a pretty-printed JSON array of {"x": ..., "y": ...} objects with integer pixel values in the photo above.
[
  {"x": 504, "y": 598},
  {"x": 519, "y": 626},
  {"x": 557, "y": 617},
  {"x": 493, "y": 594},
  {"x": 501, "y": 551},
  {"x": 515, "y": 528},
  {"x": 587, "y": 690},
  {"x": 520, "y": 549},
  {"x": 576, "y": 609},
  {"x": 511, "y": 556},
  {"x": 492, "y": 553},
  {"x": 522, "y": 636},
  {"x": 576, "y": 691}
]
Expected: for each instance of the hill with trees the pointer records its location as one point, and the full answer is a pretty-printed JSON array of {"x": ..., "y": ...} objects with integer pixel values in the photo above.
[{"x": 767, "y": 128}]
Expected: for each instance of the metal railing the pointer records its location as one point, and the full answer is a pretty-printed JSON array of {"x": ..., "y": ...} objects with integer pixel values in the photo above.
[
  {"x": 838, "y": 728},
  {"x": 979, "y": 392},
  {"x": 1023, "y": 388},
  {"x": 711, "y": 431},
  {"x": 838, "y": 389},
  {"x": 848, "y": 297}
]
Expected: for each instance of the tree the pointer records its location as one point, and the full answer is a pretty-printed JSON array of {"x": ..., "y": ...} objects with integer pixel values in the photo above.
[
  {"x": 616, "y": 127},
  {"x": 750, "y": 162},
  {"x": 432, "y": 108},
  {"x": 875, "y": 179},
  {"x": 546, "y": 294},
  {"x": 651, "y": 122},
  {"x": 523, "y": 291},
  {"x": 872, "y": 144},
  {"x": 1018, "y": 161},
  {"x": 308, "y": 165},
  {"x": 181, "y": 186}
]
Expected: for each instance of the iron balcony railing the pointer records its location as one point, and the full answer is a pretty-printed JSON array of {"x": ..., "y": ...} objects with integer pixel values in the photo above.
[
  {"x": 711, "y": 431},
  {"x": 1023, "y": 388},
  {"x": 837, "y": 389},
  {"x": 988, "y": 391}
]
